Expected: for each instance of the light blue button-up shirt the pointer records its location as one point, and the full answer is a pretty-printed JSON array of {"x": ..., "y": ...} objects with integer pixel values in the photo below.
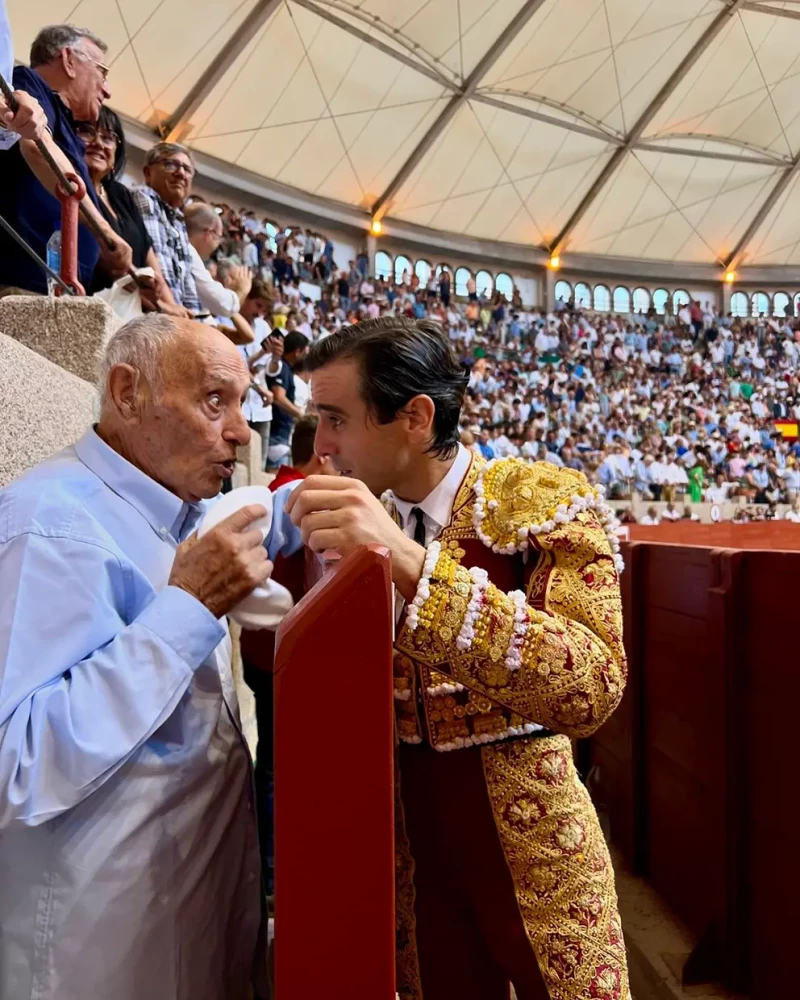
[
  {"x": 7, "y": 139},
  {"x": 129, "y": 865},
  {"x": 6, "y": 45}
]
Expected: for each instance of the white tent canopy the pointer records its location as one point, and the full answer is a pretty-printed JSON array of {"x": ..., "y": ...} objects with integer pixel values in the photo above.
[{"x": 666, "y": 130}]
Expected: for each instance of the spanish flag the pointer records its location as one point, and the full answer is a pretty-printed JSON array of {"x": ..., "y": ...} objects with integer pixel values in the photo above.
[{"x": 788, "y": 428}]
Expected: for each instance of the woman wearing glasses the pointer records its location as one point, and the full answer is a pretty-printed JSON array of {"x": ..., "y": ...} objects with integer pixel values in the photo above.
[{"x": 106, "y": 156}]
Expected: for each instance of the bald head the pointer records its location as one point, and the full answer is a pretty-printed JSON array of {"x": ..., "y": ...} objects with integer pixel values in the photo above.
[
  {"x": 158, "y": 347},
  {"x": 172, "y": 393}
]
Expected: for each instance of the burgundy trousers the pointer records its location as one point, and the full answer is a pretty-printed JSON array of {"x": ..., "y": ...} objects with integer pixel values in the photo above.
[{"x": 471, "y": 939}]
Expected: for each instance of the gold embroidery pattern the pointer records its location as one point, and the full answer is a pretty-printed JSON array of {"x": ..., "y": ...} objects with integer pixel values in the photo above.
[
  {"x": 517, "y": 496},
  {"x": 561, "y": 868},
  {"x": 573, "y": 666}
]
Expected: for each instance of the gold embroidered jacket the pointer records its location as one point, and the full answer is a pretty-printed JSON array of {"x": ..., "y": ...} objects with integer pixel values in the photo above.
[{"x": 517, "y": 623}]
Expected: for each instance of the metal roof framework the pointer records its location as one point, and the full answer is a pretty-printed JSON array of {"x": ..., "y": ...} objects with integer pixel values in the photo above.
[
  {"x": 467, "y": 90},
  {"x": 475, "y": 88}
]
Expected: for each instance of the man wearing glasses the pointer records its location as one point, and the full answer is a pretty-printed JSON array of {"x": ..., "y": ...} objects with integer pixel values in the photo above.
[
  {"x": 68, "y": 78},
  {"x": 168, "y": 172}
]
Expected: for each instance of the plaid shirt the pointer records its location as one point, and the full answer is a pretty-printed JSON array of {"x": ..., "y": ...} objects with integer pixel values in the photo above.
[{"x": 167, "y": 229}]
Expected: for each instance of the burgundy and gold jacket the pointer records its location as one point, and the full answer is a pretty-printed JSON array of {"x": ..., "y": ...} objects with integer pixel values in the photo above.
[{"x": 517, "y": 622}]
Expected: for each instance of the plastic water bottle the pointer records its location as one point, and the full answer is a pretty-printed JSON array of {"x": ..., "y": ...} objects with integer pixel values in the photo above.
[{"x": 53, "y": 260}]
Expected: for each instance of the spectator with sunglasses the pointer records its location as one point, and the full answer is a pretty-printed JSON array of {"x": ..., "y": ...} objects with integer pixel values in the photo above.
[
  {"x": 106, "y": 156},
  {"x": 169, "y": 172}
]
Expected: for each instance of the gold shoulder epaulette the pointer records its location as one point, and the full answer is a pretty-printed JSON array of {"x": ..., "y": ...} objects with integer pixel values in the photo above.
[{"x": 516, "y": 499}]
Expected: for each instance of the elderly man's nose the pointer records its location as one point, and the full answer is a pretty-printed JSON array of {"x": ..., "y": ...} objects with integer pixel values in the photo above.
[{"x": 237, "y": 431}]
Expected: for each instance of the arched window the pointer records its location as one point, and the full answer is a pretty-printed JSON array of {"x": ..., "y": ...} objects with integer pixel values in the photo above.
[
  {"x": 781, "y": 304},
  {"x": 463, "y": 274},
  {"x": 563, "y": 290},
  {"x": 505, "y": 285},
  {"x": 796, "y": 306},
  {"x": 760, "y": 304},
  {"x": 740, "y": 304},
  {"x": 660, "y": 299},
  {"x": 583, "y": 296},
  {"x": 680, "y": 298},
  {"x": 402, "y": 265},
  {"x": 602, "y": 298},
  {"x": 383, "y": 265},
  {"x": 422, "y": 269},
  {"x": 439, "y": 269},
  {"x": 641, "y": 300},
  {"x": 484, "y": 283},
  {"x": 622, "y": 300}
]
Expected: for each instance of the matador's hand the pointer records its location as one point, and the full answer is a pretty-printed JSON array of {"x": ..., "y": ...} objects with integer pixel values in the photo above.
[{"x": 334, "y": 512}]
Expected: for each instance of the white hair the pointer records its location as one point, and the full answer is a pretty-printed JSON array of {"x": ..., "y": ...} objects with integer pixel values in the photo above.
[
  {"x": 140, "y": 344},
  {"x": 55, "y": 37}
]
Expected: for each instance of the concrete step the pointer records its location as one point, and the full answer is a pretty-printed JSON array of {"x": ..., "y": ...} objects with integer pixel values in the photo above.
[{"x": 658, "y": 944}]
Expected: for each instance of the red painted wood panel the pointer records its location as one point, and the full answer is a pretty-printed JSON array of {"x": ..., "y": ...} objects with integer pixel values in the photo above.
[
  {"x": 767, "y": 740},
  {"x": 334, "y": 788},
  {"x": 770, "y": 535},
  {"x": 704, "y": 757}
]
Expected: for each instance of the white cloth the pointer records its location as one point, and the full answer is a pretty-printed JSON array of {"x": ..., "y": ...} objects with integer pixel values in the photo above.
[{"x": 213, "y": 295}]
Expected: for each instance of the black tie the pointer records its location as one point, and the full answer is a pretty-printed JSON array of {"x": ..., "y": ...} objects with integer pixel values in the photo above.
[{"x": 419, "y": 527}]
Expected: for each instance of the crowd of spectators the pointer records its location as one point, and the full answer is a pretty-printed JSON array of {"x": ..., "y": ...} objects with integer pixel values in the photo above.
[
  {"x": 679, "y": 408},
  {"x": 683, "y": 409}
]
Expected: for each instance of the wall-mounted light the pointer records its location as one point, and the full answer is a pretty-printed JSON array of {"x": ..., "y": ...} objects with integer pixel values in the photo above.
[
  {"x": 730, "y": 277},
  {"x": 555, "y": 263},
  {"x": 377, "y": 227}
]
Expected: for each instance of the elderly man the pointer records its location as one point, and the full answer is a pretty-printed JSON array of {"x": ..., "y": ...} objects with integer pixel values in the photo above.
[
  {"x": 128, "y": 850},
  {"x": 204, "y": 227},
  {"x": 168, "y": 172},
  {"x": 67, "y": 76}
]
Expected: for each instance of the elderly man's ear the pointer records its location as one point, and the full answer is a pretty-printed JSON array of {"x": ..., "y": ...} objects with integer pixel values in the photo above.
[{"x": 125, "y": 392}]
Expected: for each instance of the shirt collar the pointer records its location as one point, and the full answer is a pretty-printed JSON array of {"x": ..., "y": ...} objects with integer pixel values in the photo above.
[
  {"x": 164, "y": 511},
  {"x": 438, "y": 504},
  {"x": 171, "y": 212}
]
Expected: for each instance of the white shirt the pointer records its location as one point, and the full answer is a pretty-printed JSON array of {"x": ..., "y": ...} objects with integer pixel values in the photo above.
[
  {"x": 251, "y": 256},
  {"x": 437, "y": 507},
  {"x": 255, "y": 410},
  {"x": 302, "y": 393},
  {"x": 213, "y": 295},
  {"x": 718, "y": 494}
]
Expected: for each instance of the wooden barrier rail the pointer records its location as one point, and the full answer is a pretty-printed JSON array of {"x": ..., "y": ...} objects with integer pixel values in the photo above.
[
  {"x": 334, "y": 788},
  {"x": 695, "y": 766}
]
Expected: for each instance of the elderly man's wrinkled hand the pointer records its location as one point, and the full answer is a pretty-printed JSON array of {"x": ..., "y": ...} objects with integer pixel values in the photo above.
[
  {"x": 29, "y": 121},
  {"x": 224, "y": 566}
]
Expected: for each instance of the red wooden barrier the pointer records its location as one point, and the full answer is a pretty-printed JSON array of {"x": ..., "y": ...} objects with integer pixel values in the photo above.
[
  {"x": 771, "y": 535},
  {"x": 697, "y": 771},
  {"x": 334, "y": 788}
]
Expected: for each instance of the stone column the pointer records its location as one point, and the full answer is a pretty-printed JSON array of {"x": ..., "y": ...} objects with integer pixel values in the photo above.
[
  {"x": 724, "y": 297},
  {"x": 549, "y": 284},
  {"x": 372, "y": 247}
]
